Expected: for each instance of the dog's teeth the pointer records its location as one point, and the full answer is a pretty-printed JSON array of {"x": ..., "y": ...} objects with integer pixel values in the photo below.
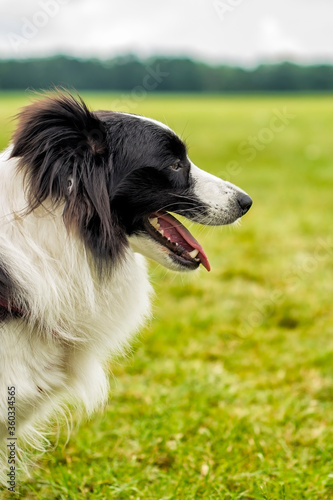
[
  {"x": 154, "y": 222},
  {"x": 194, "y": 253},
  {"x": 162, "y": 232}
]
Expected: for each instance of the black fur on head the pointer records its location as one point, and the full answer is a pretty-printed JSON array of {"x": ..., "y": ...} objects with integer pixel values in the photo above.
[
  {"x": 62, "y": 148},
  {"x": 111, "y": 170}
]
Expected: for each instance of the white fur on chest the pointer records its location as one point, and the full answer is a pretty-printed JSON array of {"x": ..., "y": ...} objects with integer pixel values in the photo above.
[
  {"x": 77, "y": 320},
  {"x": 71, "y": 369}
]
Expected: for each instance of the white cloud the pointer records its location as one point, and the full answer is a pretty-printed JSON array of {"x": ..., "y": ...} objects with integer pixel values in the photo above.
[
  {"x": 274, "y": 41},
  {"x": 249, "y": 31}
]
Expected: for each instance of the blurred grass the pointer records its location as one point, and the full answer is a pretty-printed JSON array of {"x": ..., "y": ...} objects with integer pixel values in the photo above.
[{"x": 229, "y": 390}]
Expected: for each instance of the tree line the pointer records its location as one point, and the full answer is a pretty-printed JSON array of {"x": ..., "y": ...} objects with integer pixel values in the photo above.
[{"x": 131, "y": 74}]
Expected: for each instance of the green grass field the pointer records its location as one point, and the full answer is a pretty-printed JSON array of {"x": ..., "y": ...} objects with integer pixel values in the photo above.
[{"x": 228, "y": 393}]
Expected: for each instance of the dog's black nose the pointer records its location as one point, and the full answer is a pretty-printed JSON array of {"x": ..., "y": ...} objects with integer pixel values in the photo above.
[{"x": 244, "y": 202}]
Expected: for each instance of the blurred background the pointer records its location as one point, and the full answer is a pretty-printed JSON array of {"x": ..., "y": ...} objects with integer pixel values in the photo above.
[
  {"x": 214, "y": 45},
  {"x": 228, "y": 391}
]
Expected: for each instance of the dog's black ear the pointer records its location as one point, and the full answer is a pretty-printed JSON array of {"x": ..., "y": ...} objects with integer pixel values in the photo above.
[{"x": 63, "y": 151}]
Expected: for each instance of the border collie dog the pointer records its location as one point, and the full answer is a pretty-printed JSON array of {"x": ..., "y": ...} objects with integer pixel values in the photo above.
[{"x": 84, "y": 196}]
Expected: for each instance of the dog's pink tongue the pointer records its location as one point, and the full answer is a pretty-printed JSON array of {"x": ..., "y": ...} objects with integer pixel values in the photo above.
[{"x": 172, "y": 227}]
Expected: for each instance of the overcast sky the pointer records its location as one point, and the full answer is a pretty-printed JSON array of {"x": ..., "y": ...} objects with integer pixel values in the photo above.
[{"x": 234, "y": 31}]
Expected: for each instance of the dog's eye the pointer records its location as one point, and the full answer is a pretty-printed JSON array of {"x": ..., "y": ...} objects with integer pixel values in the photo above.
[{"x": 176, "y": 166}]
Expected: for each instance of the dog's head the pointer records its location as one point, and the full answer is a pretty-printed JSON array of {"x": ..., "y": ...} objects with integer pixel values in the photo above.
[{"x": 118, "y": 177}]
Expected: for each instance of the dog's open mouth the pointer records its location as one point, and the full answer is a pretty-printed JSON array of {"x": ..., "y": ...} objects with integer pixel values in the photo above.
[{"x": 182, "y": 246}]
